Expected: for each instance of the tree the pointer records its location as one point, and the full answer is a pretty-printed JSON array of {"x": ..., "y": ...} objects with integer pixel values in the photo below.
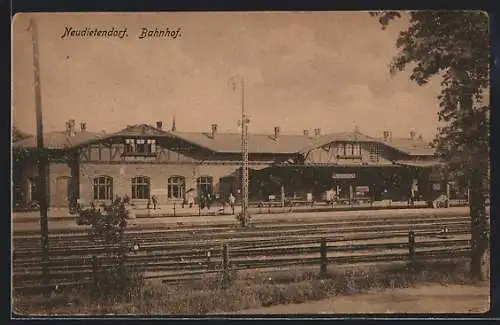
[{"x": 454, "y": 46}]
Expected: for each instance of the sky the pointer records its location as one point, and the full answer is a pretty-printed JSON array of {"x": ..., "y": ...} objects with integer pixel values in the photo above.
[{"x": 302, "y": 70}]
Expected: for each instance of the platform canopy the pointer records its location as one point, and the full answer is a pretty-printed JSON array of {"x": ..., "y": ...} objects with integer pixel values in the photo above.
[{"x": 420, "y": 163}]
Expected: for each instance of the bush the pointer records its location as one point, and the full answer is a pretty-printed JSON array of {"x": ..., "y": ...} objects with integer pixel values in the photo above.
[{"x": 114, "y": 279}]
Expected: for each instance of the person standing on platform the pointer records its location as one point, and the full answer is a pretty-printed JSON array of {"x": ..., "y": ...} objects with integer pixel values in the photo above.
[
  {"x": 309, "y": 199},
  {"x": 232, "y": 201},
  {"x": 155, "y": 201},
  {"x": 209, "y": 201},
  {"x": 334, "y": 197},
  {"x": 190, "y": 199},
  {"x": 413, "y": 190}
]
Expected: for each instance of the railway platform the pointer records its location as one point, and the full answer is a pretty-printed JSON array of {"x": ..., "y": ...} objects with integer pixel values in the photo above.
[
  {"x": 69, "y": 224},
  {"x": 172, "y": 211}
]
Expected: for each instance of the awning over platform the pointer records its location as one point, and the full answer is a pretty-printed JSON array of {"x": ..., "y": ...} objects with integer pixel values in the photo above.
[
  {"x": 251, "y": 170},
  {"x": 416, "y": 163},
  {"x": 341, "y": 165}
]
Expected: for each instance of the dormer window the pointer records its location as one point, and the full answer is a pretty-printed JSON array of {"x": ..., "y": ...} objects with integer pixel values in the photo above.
[{"x": 144, "y": 147}]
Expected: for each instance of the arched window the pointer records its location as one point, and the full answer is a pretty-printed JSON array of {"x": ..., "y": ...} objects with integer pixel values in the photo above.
[
  {"x": 205, "y": 184},
  {"x": 176, "y": 187},
  {"x": 140, "y": 187},
  {"x": 103, "y": 188}
]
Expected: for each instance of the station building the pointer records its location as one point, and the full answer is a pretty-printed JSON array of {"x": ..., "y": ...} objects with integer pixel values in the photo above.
[{"x": 144, "y": 160}]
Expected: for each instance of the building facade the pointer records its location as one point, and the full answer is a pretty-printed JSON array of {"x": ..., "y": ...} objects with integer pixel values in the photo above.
[{"x": 144, "y": 160}]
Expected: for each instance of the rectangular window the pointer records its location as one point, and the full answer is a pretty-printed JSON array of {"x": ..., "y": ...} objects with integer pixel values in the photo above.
[
  {"x": 205, "y": 185},
  {"x": 340, "y": 150},
  {"x": 374, "y": 152},
  {"x": 140, "y": 187},
  {"x": 176, "y": 187},
  {"x": 349, "y": 151},
  {"x": 129, "y": 146},
  {"x": 103, "y": 188},
  {"x": 140, "y": 147},
  {"x": 151, "y": 146},
  {"x": 357, "y": 150}
]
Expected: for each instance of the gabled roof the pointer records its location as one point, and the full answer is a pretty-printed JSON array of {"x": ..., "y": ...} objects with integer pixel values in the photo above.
[
  {"x": 229, "y": 142},
  {"x": 338, "y": 136},
  {"x": 257, "y": 143},
  {"x": 416, "y": 147},
  {"x": 140, "y": 130},
  {"x": 60, "y": 140}
]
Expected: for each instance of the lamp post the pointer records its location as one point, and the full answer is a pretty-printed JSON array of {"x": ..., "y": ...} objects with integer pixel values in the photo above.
[{"x": 42, "y": 158}]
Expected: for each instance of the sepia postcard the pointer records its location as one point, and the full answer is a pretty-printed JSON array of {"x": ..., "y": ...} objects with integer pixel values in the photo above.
[{"x": 250, "y": 163}]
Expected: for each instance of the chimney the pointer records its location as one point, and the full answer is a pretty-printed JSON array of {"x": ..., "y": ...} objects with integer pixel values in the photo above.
[
  {"x": 412, "y": 134},
  {"x": 387, "y": 135},
  {"x": 214, "y": 130},
  {"x": 356, "y": 129},
  {"x": 73, "y": 126},
  {"x": 276, "y": 132},
  {"x": 70, "y": 127},
  {"x": 83, "y": 126},
  {"x": 174, "y": 128},
  {"x": 317, "y": 132},
  {"x": 159, "y": 124},
  {"x": 306, "y": 133}
]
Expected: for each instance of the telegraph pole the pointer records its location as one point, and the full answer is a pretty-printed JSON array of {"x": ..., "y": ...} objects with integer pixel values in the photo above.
[
  {"x": 244, "y": 152},
  {"x": 244, "y": 148},
  {"x": 42, "y": 157}
]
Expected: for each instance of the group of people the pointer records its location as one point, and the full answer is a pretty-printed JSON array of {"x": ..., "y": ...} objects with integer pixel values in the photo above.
[
  {"x": 205, "y": 200},
  {"x": 331, "y": 196}
]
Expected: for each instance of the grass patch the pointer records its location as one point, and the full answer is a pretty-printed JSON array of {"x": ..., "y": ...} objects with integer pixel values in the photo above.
[{"x": 248, "y": 290}]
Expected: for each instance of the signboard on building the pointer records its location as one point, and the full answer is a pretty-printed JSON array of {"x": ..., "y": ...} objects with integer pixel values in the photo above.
[
  {"x": 362, "y": 189},
  {"x": 344, "y": 176}
]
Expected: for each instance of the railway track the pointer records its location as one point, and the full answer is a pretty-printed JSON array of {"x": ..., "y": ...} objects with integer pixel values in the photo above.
[
  {"x": 172, "y": 270},
  {"x": 274, "y": 226},
  {"x": 180, "y": 250}
]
